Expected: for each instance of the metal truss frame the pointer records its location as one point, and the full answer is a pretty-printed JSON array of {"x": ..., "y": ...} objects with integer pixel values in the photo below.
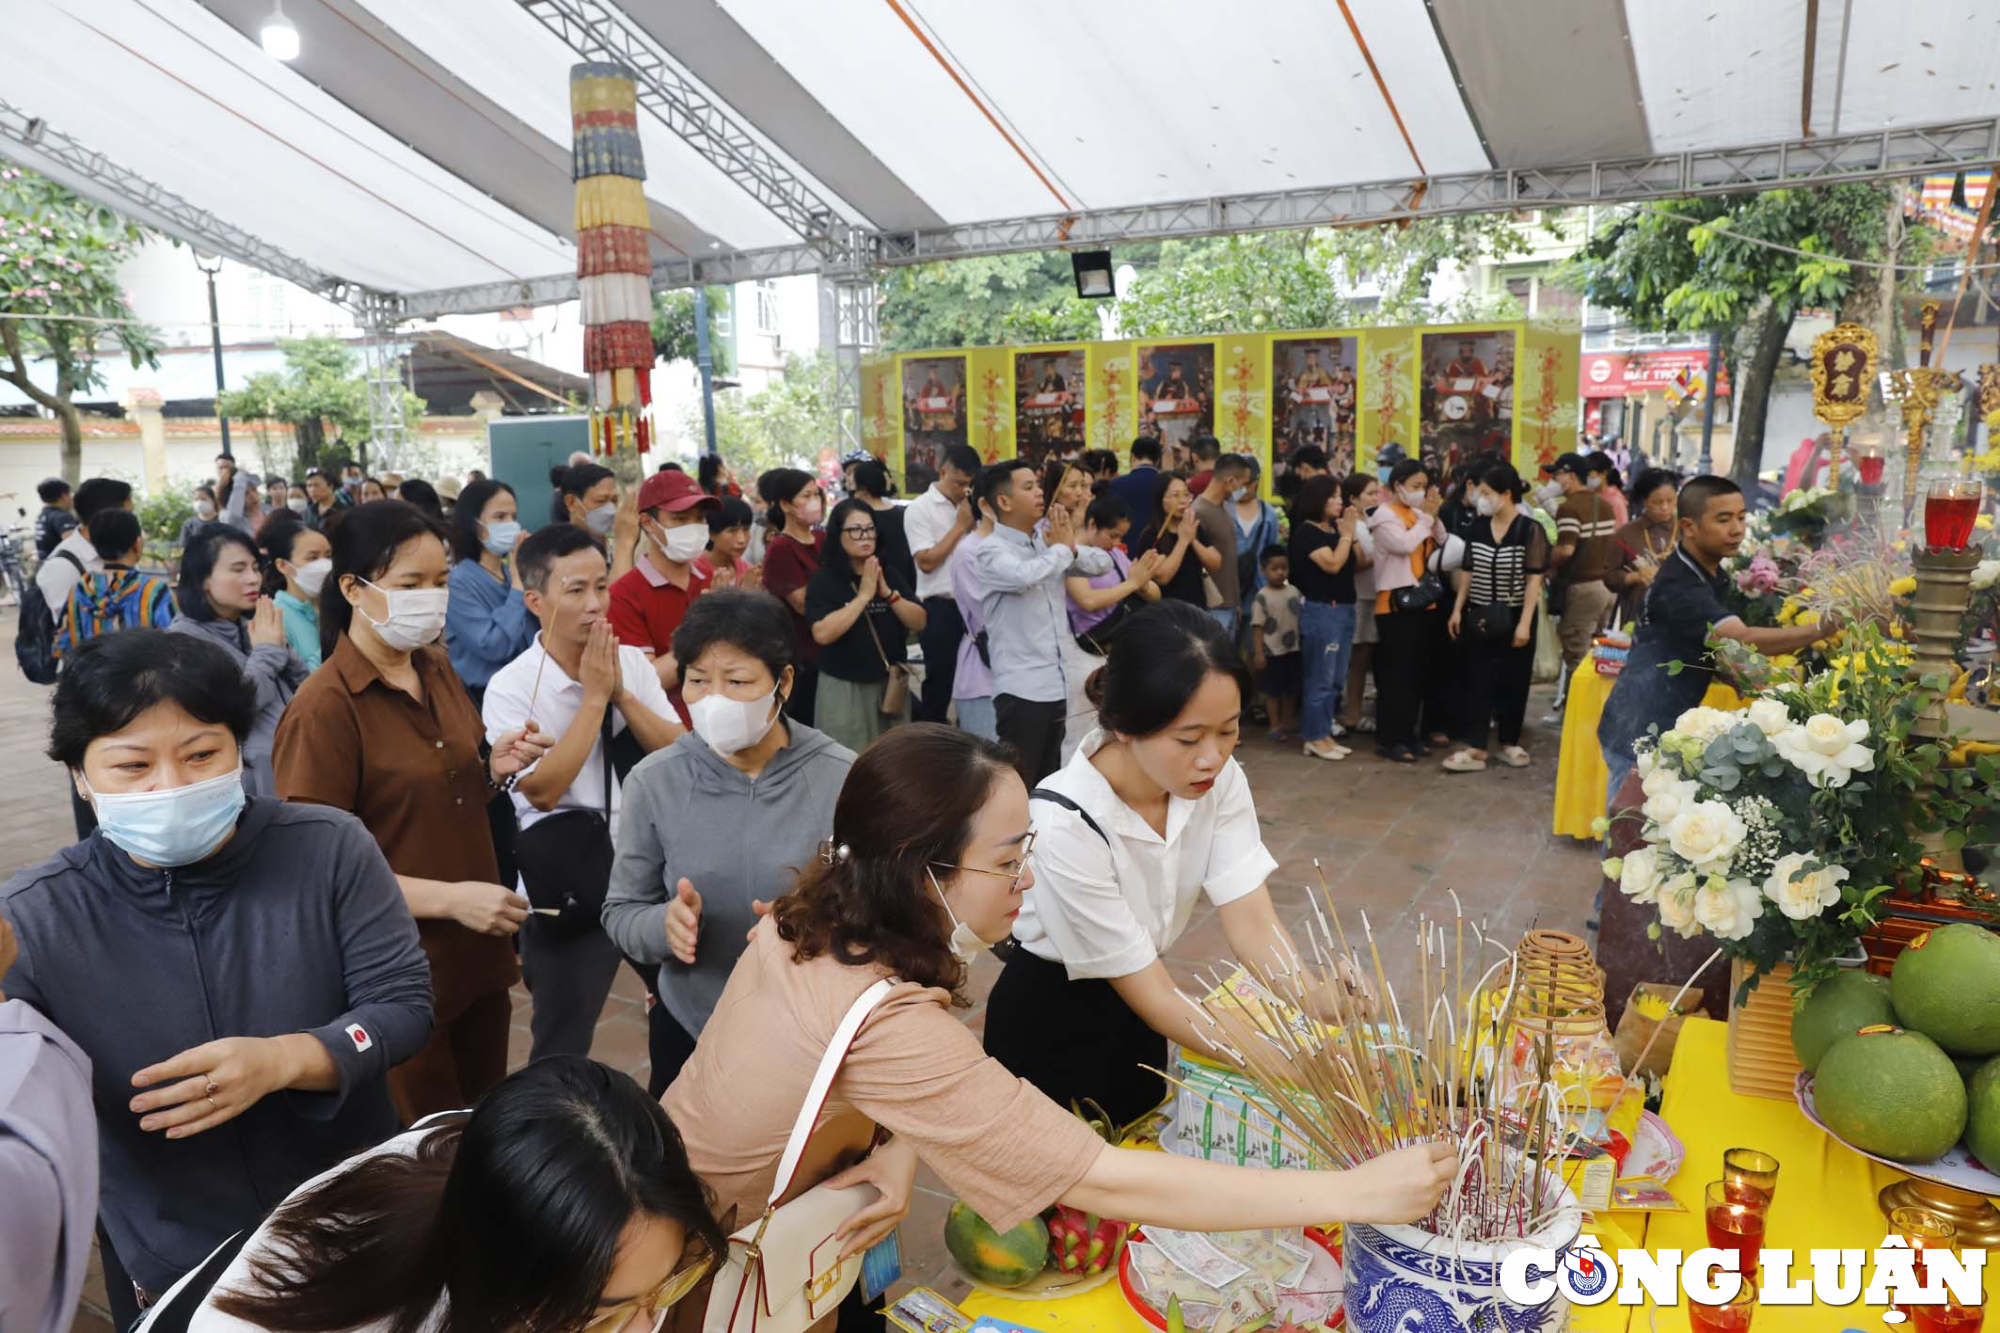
[
  {"x": 1888, "y": 154},
  {"x": 35, "y": 144},
  {"x": 601, "y": 31}
]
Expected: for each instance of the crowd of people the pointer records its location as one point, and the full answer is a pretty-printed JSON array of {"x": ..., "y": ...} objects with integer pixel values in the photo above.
[{"x": 376, "y": 750}]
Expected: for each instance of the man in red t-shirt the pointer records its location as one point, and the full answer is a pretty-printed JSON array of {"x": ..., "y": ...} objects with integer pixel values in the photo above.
[{"x": 649, "y": 603}]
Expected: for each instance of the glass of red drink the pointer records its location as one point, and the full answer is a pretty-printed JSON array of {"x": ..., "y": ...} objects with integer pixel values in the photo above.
[
  {"x": 1951, "y": 508},
  {"x": 1732, "y": 1316},
  {"x": 1736, "y": 1216},
  {"x": 1953, "y": 1316},
  {"x": 1746, "y": 1168},
  {"x": 1921, "y": 1229}
]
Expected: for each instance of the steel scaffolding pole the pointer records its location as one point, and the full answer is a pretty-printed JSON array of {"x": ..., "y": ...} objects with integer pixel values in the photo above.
[{"x": 855, "y": 331}]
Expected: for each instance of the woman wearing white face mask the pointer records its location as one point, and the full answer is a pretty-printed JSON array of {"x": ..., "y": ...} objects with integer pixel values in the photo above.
[
  {"x": 385, "y": 730},
  {"x": 194, "y": 917},
  {"x": 299, "y": 558},
  {"x": 930, "y": 862},
  {"x": 1406, "y": 532},
  {"x": 720, "y": 821},
  {"x": 204, "y": 512},
  {"x": 1493, "y": 615},
  {"x": 589, "y": 496},
  {"x": 221, "y": 598},
  {"x": 487, "y": 624}
]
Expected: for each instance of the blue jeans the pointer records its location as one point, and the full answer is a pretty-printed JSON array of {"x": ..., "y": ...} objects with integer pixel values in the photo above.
[
  {"x": 977, "y": 717},
  {"x": 1326, "y": 640}
]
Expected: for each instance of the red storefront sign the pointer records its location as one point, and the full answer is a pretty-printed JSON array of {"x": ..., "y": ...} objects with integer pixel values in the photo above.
[{"x": 1622, "y": 374}]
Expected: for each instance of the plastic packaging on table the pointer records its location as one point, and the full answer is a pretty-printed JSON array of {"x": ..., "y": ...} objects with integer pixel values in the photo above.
[{"x": 1228, "y": 1280}]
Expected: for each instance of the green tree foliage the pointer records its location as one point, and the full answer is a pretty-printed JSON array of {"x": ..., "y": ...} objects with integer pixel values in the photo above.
[
  {"x": 673, "y": 327},
  {"x": 59, "y": 257},
  {"x": 785, "y": 425},
  {"x": 322, "y": 395},
  {"x": 1274, "y": 280},
  {"x": 1715, "y": 263}
]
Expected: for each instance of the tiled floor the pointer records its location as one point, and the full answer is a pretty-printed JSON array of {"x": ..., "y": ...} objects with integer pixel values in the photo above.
[{"x": 1394, "y": 842}]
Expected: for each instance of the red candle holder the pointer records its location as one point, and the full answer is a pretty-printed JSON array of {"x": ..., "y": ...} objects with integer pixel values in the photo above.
[
  {"x": 1733, "y": 1315},
  {"x": 1951, "y": 510},
  {"x": 1736, "y": 1220}
]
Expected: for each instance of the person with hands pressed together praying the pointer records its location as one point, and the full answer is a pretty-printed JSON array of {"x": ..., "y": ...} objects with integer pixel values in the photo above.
[
  {"x": 249, "y": 963},
  {"x": 579, "y": 686},
  {"x": 862, "y": 615},
  {"x": 386, "y": 731},
  {"x": 718, "y": 823}
]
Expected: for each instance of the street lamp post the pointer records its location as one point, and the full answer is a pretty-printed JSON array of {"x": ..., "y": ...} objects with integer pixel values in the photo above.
[{"x": 211, "y": 265}]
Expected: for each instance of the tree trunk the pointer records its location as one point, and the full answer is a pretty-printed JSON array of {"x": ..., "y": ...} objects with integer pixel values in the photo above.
[
  {"x": 71, "y": 422},
  {"x": 311, "y": 435},
  {"x": 1753, "y": 391}
]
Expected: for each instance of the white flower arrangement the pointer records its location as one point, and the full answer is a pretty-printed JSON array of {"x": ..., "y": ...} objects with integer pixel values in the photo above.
[
  {"x": 1826, "y": 749},
  {"x": 1802, "y": 893},
  {"x": 1985, "y": 574}
]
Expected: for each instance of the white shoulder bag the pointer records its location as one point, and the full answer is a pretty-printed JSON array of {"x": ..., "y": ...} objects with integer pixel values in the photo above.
[{"x": 783, "y": 1273}]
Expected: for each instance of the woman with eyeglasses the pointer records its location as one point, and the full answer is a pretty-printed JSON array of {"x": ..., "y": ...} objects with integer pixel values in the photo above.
[
  {"x": 862, "y": 615},
  {"x": 562, "y": 1201},
  {"x": 928, "y": 865},
  {"x": 1150, "y": 817}
]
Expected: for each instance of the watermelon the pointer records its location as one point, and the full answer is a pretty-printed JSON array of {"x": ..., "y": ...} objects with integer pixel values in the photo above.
[
  {"x": 1891, "y": 1093},
  {"x": 994, "y": 1258}
]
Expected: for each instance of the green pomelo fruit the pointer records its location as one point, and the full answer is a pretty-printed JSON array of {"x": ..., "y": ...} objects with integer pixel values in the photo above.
[
  {"x": 1946, "y": 985},
  {"x": 1892, "y": 1093},
  {"x": 1839, "y": 1006}
]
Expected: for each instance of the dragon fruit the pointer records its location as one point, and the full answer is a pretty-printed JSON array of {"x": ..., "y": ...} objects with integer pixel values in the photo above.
[{"x": 1084, "y": 1243}]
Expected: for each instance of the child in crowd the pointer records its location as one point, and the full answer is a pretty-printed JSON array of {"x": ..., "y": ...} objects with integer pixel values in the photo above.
[{"x": 1274, "y": 643}]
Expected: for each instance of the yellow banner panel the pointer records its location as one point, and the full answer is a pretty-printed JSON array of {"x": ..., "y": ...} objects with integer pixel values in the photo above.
[
  {"x": 1109, "y": 400},
  {"x": 1243, "y": 397},
  {"x": 989, "y": 417},
  {"x": 1389, "y": 392},
  {"x": 1546, "y": 410}
]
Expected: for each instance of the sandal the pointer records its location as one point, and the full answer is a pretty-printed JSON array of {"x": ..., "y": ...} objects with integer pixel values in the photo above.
[
  {"x": 1463, "y": 762},
  {"x": 1514, "y": 757}
]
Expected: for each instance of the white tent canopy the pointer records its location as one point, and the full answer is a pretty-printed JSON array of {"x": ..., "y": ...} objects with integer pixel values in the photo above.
[{"x": 417, "y": 151}]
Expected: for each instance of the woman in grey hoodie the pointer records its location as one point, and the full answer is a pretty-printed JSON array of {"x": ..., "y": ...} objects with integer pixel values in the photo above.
[
  {"x": 221, "y": 599},
  {"x": 719, "y": 823}
]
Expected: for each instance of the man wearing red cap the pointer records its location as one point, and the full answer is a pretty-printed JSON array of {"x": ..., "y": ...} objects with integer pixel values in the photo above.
[{"x": 649, "y": 603}]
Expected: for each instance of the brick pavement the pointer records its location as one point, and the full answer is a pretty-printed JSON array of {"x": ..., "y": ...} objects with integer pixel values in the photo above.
[{"x": 1393, "y": 840}]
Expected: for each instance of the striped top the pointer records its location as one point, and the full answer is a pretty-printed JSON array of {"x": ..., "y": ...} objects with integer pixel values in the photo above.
[
  {"x": 1497, "y": 572},
  {"x": 1589, "y": 524}
]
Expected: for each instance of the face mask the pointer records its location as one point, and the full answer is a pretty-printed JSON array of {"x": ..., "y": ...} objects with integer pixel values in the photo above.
[
  {"x": 204, "y": 509},
  {"x": 1486, "y": 505},
  {"x": 501, "y": 536},
  {"x": 683, "y": 544},
  {"x": 351, "y": 483},
  {"x": 1411, "y": 498},
  {"x": 965, "y": 942},
  {"x": 1594, "y": 483},
  {"x": 1240, "y": 494},
  {"x": 731, "y": 726},
  {"x": 811, "y": 512},
  {"x": 312, "y": 574},
  {"x": 174, "y": 827},
  {"x": 1383, "y": 474},
  {"x": 415, "y": 616},
  {"x": 297, "y": 504},
  {"x": 601, "y": 519}
]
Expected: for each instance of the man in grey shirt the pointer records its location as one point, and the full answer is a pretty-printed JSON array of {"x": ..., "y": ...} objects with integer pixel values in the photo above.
[
  {"x": 1218, "y": 529},
  {"x": 1020, "y": 576}
]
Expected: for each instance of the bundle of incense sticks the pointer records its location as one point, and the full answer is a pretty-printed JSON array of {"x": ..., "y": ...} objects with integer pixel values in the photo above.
[{"x": 1355, "y": 1077}]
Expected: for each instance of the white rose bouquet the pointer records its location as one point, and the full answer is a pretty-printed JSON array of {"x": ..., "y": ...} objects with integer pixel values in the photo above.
[{"x": 1775, "y": 829}]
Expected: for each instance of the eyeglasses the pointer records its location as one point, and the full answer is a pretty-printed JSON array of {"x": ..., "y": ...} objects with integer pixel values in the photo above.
[
  {"x": 857, "y": 532},
  {"x": 660, "y": 1299},
  {"x": 1013, "y": 876}
]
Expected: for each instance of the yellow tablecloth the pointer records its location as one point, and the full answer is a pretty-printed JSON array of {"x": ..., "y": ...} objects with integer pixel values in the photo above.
[
  {"x": 1826, "y": 1193},
  {"x": 1580, "y": 772}
]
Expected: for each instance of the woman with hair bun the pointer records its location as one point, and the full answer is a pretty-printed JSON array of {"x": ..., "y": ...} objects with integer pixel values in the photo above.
[
  {"x": 1151, "y": 814},
  {"x": 931, "y": 860}
]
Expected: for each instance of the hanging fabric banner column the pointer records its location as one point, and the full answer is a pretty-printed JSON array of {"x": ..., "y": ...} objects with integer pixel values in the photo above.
[{"x": 613, "y": 257}]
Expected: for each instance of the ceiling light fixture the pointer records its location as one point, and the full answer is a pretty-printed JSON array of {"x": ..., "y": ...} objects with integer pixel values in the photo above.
[{"x": 279, "y": 34}]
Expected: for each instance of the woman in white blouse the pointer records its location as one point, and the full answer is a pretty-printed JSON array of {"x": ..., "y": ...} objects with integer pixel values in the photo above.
[{"x": 1150, "y": 814}]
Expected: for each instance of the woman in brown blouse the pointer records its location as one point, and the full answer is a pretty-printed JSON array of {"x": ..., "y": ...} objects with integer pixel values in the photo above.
[
  {"x": 1644, "y": 542},
  {"x": 385, "y": 731},
  {"x": 928, "y": 864}
]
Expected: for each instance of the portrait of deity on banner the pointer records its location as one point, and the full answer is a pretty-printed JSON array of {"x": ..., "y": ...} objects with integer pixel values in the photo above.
[
  {"x": 1314, "y": 389},
  {"x": 1176, "y": 395},
  {"x": 1467, "y": 406},
  {"x": 1048, "y": 401},
  {"x": 933, "y": 409}
]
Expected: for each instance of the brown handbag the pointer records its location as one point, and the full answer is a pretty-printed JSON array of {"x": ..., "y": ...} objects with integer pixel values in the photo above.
[{"x": 896, "y": 689}]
